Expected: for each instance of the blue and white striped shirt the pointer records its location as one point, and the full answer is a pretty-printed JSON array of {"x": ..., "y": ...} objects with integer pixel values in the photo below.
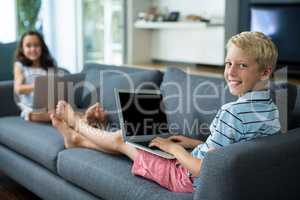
[{"x": 253, "y": 115}]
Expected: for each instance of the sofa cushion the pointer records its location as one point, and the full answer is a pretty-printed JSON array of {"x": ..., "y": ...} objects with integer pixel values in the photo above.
[
  {"x": 37, "y": 179},
  {"x": 106, "y": 81},
  {"x": 264, "y": 168},
  {"x": 109, "y": 177},
  {"x": 192, "y": 101},
  {"x": 37, "y": 141}
]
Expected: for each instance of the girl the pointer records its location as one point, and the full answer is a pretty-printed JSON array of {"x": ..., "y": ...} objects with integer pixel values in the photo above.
[{"x": 32, "y": 59}]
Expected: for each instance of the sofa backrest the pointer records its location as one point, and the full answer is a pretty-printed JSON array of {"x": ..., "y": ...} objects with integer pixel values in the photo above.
[
  {"x": 191, "y": 101},
  {"x": 7, "y": 52},
  {"x": 100, "y": 81}
]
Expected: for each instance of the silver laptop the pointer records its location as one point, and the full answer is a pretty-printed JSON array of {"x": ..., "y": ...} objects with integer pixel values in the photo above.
[
  {"x": 48, "y": 90},
  {"x": 142, "y": 118}
]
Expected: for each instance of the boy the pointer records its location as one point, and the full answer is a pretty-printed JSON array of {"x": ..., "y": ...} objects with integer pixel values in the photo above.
[{"x": 249, "y": 63}]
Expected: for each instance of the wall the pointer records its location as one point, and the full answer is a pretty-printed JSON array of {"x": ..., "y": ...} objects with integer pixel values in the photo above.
[
  {"x": 8, "y": 21},
  {"x": 180, "y": 45},
  {"x": 207, "y": 8},
  {"x": 203, "y": 46}
]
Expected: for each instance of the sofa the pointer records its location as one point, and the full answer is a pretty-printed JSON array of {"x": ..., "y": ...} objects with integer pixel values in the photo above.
[{"x": 33, "y": 154}]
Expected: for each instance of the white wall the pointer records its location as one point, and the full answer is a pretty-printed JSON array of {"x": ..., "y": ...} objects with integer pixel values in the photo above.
[
  {"x": 204, "y": 46},
  {"x": 206, "y": 8},
  {"x": 200, "y": 45},
  {"x": 8, "y": 21}
]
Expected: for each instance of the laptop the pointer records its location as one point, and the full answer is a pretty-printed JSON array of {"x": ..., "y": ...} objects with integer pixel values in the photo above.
[
  {"x": 48, "y": 90},
  {"x": 142, "y": 118}
]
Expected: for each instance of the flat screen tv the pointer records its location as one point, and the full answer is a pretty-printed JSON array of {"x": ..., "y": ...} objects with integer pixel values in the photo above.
[{"x": 282, "y": 23}]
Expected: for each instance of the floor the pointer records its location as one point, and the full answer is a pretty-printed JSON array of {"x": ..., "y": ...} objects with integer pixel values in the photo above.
[{"x": 10, "y": 190}]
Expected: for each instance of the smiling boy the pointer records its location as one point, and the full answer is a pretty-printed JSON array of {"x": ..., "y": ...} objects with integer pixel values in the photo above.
[{"x": 249, "y": 63}]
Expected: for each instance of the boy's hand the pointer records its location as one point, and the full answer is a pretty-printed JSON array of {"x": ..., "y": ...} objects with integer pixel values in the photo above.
[
  {"x": 186, "y": 142},
  {"x": 166, "y": 145}
]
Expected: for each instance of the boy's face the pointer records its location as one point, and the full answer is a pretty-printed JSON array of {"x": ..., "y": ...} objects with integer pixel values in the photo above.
[{"x": 242, "y": 73}]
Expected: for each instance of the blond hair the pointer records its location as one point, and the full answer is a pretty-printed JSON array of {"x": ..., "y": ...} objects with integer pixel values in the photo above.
[{"x": 258, "y": 46}]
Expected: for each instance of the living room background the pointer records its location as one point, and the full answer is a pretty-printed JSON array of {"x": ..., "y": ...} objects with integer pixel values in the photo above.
[{"x": 105, "y": 32}]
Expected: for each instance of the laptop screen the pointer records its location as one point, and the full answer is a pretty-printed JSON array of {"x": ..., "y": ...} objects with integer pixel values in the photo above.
[{"x": 143, "y": 113}]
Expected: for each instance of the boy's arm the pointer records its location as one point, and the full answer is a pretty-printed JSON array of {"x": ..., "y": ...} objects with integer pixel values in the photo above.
[
  {"x": 183, "y": 156},
  {"x": 187, "y": 160}
]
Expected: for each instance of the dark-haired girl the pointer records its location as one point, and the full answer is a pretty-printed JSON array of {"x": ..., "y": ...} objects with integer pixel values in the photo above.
[{"x": 32, "y": 59}]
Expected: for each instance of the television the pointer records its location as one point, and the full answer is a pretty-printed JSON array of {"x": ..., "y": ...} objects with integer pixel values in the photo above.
[{"x": 281, "y": 22}]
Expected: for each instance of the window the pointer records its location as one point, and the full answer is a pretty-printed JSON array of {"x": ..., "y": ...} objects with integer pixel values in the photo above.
[
  {"x": 93, "y": 30},
  {"x": 29, "y": 15},
  {"x": 103, "y": 31}
]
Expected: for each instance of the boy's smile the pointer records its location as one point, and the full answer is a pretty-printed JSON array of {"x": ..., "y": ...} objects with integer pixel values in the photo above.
[{"x": 243, "y": 73}]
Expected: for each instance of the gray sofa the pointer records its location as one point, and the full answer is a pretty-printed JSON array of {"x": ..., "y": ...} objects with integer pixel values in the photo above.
[{"x": 33, "y": 154}]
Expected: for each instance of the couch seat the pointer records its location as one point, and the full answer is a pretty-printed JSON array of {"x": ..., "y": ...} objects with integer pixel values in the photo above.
[
  {"x": 38, "y": 141},
  {"x": 109, "y": 176}
]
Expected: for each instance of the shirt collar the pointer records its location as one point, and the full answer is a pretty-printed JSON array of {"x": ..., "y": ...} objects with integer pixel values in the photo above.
[{"x": 255, "y": 95}]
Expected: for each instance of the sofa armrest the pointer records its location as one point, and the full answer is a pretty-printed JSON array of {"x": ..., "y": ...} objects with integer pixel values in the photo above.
[
  {"x": 266, "y": 168},
  {"x": 7, "y": 104}
]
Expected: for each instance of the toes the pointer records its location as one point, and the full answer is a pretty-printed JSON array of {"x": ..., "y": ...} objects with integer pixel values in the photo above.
[
  {"x": 62, "y": 102},
  {"x": 55, "y": 121},
  {"x": 60, "y": 108}
]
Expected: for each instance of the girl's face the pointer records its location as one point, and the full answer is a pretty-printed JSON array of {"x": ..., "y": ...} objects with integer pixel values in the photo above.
[{"x": 32, "y": 48}]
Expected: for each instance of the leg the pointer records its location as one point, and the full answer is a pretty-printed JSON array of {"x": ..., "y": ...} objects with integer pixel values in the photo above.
[
  {"x": 99, "y": 140},
  {"x": 107, "y": 141},
  {"x": 163, "y": 171},
  {"x": 71, "y": 137}
]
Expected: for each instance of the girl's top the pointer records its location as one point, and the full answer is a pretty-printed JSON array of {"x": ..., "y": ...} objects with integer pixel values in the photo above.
[{"x": 25, "y": 101}]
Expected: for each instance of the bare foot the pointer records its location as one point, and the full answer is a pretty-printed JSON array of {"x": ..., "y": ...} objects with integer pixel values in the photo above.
[
  {"x": 68, "y": 134},
  {"x": 64, "y": 111},
  {"x": 96, "y": 116}
]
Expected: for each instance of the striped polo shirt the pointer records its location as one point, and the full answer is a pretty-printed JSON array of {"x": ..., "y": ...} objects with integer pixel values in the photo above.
[{"x": 253, "y": 115}]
